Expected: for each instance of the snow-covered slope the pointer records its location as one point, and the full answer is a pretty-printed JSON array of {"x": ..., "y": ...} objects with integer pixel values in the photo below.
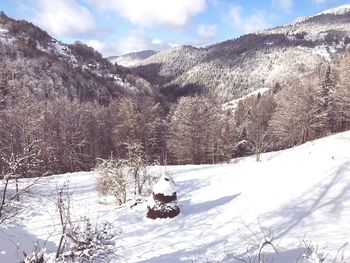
[
  {"x": 294, "y": 195},
  {"x": 131, "y": 59},
  {"x": 49, "y": 68},
  {"x": 340, "y": 10},
  {"x": 234, "y": 68}
]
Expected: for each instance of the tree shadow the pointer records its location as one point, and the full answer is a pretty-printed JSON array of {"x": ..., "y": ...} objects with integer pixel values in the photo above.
[
  {"x": 194, "y": 168},
  {"x": 189, "y": 186},
  {"x": 285, "y": 256},
  {"x": 184, "y": 255},
  {"x": 15, "y": 241},
  {"x": 322, "y": 196},
  {"x": 188, "y": 208}
]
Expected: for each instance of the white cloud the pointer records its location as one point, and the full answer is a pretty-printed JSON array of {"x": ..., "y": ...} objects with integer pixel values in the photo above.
[
  {"x": 207, "y": 31},
  {"x": 154, "y": 12},
  {"x": 285, "y": 5},
  {"x": 137, "y": 40},
  {"x": 157, "y": 41},
  {"x": 97, "y": 45},
  {"x": 64, "y": 18},
  {"x": 258, "y": 20},
  {"x": 235, "y": 16},
  {"x": 320, "y": 1}
]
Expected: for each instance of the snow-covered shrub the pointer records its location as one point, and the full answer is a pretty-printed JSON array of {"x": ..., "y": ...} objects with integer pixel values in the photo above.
[
  {"x": 259, "y": 245},
  {"x": 125, "y": 179},
  {"x": 112, "y": 179},
  {"x": 88, "y": 243},
  {"x": 313, "y": 254},
  {"x": 163, "y": 201},
  {"x": 38, "y": 255},
  {"x": 137, "y": 168}
]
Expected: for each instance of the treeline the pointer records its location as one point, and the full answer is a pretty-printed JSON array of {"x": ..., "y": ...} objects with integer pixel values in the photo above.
[
  {"x": 61, "y": 135},
  {"x": 302, "y": 110}
]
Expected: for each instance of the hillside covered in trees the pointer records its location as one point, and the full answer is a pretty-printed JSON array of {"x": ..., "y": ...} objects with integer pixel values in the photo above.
[
  {"x": 83, "y": 108},
  {"x": 236, "y": 67},
  {"x": 60, "y": 135},
  {"x": 34, "y": 62}
]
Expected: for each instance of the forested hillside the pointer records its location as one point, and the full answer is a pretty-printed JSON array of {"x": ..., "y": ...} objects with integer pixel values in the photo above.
[
  {"x": 32, "y": 61},
  {"x": 236, "y": 67},
  {"x": 63, "y": 107}
]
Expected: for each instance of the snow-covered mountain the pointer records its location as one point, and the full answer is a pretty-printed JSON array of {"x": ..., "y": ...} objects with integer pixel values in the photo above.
[
  {"x": 50, "y": 68},
  {"x": 340, "y": 10},
  {"x": 292, "y": 198},
  {"x": 132, "y": 59},
  {"x": 239, "y": 66}
]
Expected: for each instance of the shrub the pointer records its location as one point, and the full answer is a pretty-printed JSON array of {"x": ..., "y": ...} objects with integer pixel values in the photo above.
[{"x": 112, "y": 179}]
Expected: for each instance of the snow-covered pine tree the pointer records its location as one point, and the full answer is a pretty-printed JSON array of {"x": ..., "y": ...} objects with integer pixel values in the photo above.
[
  {"x": 3, "y": 89},
  {"x": 342, "y": 94},
  {"x": 242, "y": 118},
  {"x": 324, "y": 121}
]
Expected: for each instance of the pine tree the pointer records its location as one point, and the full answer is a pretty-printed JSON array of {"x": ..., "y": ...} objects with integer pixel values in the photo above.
[
  {"x": 3, "y": 89},
  {"x": 342, "y": 94},
  {"x": 324, "y": 122}
]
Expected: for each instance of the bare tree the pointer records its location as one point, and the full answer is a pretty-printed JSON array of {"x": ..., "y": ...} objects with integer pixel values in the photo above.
[
  {"x": 195, "y": 128},
  {"x": 138, "y": 120},
  {"x": 137, "y": 167},
  {"x": 252, "y": 117},
  {"x": 258, "y": 124}
]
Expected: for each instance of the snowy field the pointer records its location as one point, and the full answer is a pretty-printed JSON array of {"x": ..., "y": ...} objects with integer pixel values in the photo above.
[{"x": 226, "y": 210}]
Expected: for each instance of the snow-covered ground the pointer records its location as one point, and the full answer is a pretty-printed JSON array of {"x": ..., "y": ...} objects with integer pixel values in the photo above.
[
  {"x": 234, "y": 103},
  {"x": 293, "y": 195}
]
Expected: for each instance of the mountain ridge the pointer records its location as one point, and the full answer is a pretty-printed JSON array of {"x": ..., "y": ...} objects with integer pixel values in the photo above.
[
  {"x": 131, "y": 59},
  {"x": 50, "y": 68},
  {"x": 236, "y": 67}
]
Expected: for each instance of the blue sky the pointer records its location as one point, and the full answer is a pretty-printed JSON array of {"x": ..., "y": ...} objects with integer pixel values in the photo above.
[{"x": 116, "y": 27}]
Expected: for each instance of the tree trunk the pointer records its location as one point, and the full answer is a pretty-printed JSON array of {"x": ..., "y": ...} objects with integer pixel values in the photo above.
[{"x": 17, "y": 190}]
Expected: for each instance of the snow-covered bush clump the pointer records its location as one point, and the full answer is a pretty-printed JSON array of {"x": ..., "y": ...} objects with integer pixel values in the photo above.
[
  {"x": 38, "y": 255},
  {"x": 88, "y": 243},
  {"x": 163, "y": 201},
  {"x": 111, "y": 180}
]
